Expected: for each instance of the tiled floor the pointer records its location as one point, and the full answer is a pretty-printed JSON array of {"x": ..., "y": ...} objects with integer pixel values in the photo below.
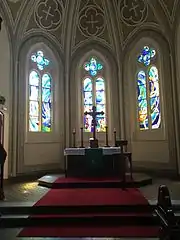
[{"x": 28, "y": 192}]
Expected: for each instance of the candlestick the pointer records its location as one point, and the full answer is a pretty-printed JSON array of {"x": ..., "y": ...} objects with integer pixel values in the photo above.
[
  {"x": 82, "y": 142},
  {"x": 115, "y": 137},
  {"x": 74, "y": 137},
  {"x": 107, "y": 145}
]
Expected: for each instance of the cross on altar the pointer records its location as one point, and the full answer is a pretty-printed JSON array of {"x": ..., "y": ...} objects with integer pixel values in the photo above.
[{"x": 94, "y": 123}]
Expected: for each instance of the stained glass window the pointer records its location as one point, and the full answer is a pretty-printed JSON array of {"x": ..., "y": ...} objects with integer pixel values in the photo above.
[
  {"x": 94, "y": 94},
  {"x": 40, "y": 94},
  {"x": 148, "y": 97}
]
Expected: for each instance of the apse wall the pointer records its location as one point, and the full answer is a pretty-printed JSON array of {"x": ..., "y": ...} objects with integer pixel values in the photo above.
[{"x": 5, "y": 84}]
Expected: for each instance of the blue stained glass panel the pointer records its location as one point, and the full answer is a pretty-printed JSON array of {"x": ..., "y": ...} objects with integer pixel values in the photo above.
[
  {"x": 88, "y": 98},
  {"x": 156, "y": 120},
  {"x": 93, "y": 66},
  {"x": 153, "y": 74},
  {"x": 46, "y": 81},
  {"x": 100, "y": 108},
  {"x": 155, "y": 112},
  {"x": 34, "y": 93},
  {"x": 141, "y": 78},
  {"x": 153, "y": 89},
  {"x": 100, "y": 84},
  {"x": 154, "y": 97},
  {"x": 40, "y": 60},
  {"x": 46, "y": 117},
  {"x": 34, "y": 108},
  {"x": 33, "y": 124},
  {"x": 147, "y": 55},
  {"x": 153, "y": 82},
  {"x": 142, "y": 106},
  {"x": 155, "y": 104},
  {"x": 100, "y": 97},
  {"x": 46, "y": 95},
  {"x": 141, "y": 92},
  {"x": 34, "y": 78},
  {"x": 87, "y": 85}
]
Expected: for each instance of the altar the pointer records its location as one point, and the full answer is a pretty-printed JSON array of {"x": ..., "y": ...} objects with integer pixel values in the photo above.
[{"x": 94, "y": 162}]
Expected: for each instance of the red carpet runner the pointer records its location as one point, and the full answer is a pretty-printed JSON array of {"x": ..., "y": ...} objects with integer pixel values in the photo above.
[{"x": 100, "y": 196}]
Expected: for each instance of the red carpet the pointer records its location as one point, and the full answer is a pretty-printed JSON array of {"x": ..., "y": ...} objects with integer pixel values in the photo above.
[{"x": 94, "y": 197}]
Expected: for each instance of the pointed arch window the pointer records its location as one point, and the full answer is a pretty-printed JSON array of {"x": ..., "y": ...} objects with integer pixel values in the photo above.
[
  {"x": 94, "y": 93},
  {"x": 40, "y": 93},
  {"x": 148, "y": 94}
]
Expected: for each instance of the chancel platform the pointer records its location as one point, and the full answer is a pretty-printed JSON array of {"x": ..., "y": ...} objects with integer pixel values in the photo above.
[
  {"x": 60, "y": 181},
  {"x": 105, "y": 161}
]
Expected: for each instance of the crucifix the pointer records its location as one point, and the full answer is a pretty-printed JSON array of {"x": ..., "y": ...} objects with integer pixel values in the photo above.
[{"x": 94, "y": 113}]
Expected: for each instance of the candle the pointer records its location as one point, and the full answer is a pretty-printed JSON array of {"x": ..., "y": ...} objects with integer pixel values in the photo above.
[
  {"x": 114, "y": 137},
  {"x": 82, "y": 137},
  {"x": 74, "y": 137},
  {"x": 107, "y": 145}
]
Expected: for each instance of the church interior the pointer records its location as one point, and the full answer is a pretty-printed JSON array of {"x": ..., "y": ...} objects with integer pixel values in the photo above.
[{"x": 89, "y": 106}]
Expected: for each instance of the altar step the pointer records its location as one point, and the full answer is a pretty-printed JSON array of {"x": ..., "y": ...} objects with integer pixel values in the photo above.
[{"x": 60, "y": 181}]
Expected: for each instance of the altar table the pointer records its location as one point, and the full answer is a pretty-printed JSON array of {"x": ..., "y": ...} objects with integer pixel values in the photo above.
[{"x": 95, "y": 162}]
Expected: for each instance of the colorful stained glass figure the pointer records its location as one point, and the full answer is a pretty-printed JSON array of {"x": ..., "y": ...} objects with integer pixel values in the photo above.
[
  {"x": 40, "y": 96},
  {"x": 40, "y": 60},
  {"x": 141, "y": 78},
  {"x": 94, "y": 94},
  {"x": 154, "y": 97},
  {"x": 93, "y": 66},
  {"x": 142, "y": 101},
  {"x": 148, "y": 91},
  {"x": 147, "y": 55},
  {"x": 100, "y": 104}
]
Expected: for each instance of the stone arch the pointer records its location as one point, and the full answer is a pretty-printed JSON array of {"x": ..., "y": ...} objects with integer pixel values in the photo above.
[
  {"x": 26, "y": 139},
  {"x": 111, "y": 77},
  {"x": 166, "y": 145}
]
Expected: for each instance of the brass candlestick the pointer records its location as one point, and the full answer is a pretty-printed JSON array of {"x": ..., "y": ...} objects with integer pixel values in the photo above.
[
  {"x": 107, "y": 145},
  {"x": 82, "y": 141},
  {"x": 115, "y": 138},
  {"x": 74, "y": 138}
]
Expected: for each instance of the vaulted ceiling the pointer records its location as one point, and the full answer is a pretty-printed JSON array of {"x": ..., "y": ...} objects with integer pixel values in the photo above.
[{"x": 80, "y": 20}]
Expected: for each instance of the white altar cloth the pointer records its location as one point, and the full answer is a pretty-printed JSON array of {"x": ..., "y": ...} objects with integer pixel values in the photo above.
[{"x": 81, "y": 151}]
